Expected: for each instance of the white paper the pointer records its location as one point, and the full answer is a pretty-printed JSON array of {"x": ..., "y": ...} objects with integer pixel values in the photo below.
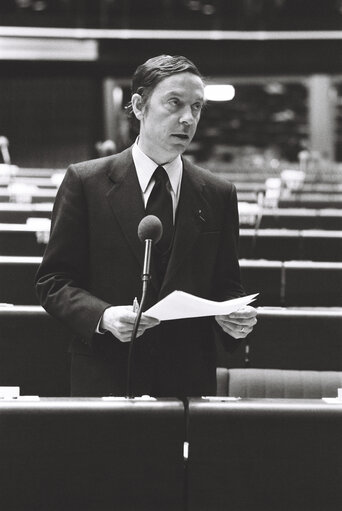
[
  {"x": 332, "y": 400},
  {"x": 180, "y": 305}
]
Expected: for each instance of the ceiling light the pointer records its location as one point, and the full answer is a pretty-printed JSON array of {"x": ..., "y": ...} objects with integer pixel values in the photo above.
[{"x": 219, "y": 92}]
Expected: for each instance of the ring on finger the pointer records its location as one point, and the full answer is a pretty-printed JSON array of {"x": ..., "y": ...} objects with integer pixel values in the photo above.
[{"x": 242, "y": 329}]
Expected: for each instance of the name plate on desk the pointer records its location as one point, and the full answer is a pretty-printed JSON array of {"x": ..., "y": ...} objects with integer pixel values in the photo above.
[{"x": 9, "y": 392}]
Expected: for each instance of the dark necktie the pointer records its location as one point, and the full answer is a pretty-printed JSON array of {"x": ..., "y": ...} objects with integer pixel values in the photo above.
[{"x": 160, "y": 204}]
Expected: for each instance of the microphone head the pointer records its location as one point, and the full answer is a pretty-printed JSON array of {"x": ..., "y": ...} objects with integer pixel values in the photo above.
[{"x": 150, "y": 228}]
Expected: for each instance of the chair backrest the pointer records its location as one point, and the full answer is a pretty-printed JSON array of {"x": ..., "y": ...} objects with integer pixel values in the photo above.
[{"x": 277, "y": 383}]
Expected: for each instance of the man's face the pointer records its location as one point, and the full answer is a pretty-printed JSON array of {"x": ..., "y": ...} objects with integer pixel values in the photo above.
[{"x": 169, "y": 119}]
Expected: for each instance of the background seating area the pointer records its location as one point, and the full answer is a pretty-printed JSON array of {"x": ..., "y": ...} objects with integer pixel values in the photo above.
[
  {"x": 277, "y": 383},
  {"x": 281, "y": 283},
  {"x": 33, "y": 347},
  {"x": 270, "y": 439},
  {"x": 261, "y": 454},
  {"x": 287, "y": 244},
  {"x": 264, "y": 455},
  {"x": 291, "y": 256},
  {"x": 290, "y": 338},
  {"x": 92, "y": 455}
]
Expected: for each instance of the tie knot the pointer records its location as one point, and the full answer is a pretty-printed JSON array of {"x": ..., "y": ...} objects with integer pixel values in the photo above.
[{"x": 160, "y": 175}]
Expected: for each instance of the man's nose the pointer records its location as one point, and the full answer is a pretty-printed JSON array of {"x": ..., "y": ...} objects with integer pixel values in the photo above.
[{"x": 186, "y": 116}]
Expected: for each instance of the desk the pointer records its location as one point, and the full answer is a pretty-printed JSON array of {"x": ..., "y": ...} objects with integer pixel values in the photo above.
[
  {"x": 302, "y": 218},
  {"x": 34, "y": 351},
  {"x": 38, "y": 196},
  {"x": 264, "y": 455},
  {"x": 23, "y": 239},
  {"x": 291, "y": 338},
  {"x": 287, "y": 244},
  {"x": 91, "y": 455},
  {"x": 311, "y": 200},
  {"x": 13, "y": 213}
]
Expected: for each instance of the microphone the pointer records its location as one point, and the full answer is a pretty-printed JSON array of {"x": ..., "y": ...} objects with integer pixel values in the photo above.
[{"x": 150, "y": 231}]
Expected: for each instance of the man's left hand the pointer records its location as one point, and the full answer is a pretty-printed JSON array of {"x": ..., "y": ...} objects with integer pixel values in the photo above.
[{"x": 240, "y": 323}]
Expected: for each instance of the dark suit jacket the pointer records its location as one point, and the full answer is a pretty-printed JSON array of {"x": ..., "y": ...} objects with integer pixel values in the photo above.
[{"x": 94, "y": 259}]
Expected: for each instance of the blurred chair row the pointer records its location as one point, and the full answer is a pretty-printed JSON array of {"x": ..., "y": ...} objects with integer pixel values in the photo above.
[
  {"x": 289, "y": 218},
  {"x": 34, "y": 346},
  {"x": 127, "y": 455},
  {"x": 274, "y": 218},
  {"x": 301, "y": 199},
  {"x": 264, "y": 455},
  {"x": 277, "y": 383},
  {"x": 293, "y": 283},
  {"x": 287, "y": 244},
  {"x": 290, "y": 338},
  {"x": 272, "y": 244},
  {"x": 289, "y": 283}
]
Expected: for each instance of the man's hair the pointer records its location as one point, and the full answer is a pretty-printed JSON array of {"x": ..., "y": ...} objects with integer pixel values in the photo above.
[{"x": 154, "y": 70}]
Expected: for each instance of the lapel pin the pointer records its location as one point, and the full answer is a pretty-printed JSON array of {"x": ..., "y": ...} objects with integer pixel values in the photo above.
[{"x": 200, "y": 215}]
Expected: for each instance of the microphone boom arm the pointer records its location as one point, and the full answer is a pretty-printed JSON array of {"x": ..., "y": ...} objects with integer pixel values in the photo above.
[{"x": 145, "y": 277}]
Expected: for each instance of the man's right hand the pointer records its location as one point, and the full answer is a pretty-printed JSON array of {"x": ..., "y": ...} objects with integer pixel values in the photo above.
[{"x": 120, "y": 320}]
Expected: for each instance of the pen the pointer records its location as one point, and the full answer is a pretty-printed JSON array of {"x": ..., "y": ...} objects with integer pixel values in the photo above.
[{"x": 135, "y": 305}]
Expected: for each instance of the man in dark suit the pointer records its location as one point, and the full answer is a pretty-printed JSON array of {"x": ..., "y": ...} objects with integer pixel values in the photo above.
[{"x": 91, "y": 270}]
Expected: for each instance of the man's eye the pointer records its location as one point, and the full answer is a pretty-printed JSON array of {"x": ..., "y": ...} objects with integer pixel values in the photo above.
[
  {"x": 174, "y": 102},
  {"x": 197, "y": 107}
]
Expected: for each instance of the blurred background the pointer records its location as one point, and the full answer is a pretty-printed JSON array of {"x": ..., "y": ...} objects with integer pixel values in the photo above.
[
  {"x": 66, "y": 68},
  {"x": 272, "y": 124}
]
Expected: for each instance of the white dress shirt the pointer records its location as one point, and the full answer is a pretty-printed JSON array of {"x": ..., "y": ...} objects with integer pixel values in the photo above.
[{"x": 145, "y": 167}]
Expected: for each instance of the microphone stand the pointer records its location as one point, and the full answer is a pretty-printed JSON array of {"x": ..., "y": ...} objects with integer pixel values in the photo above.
[{"x": 145, "y": 277}]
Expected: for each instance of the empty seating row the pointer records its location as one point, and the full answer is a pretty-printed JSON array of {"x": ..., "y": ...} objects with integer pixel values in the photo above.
[
  {"x": 24, "y": 239},
  {"x": 261, "y": 186},
  {"x": 287, "y": 244},
  {"x": 277, "y": 383},
  {"x": 298, "y": 200},
  {"x": 13, "y": 213},
  {"x": 92, "y": 454},
  {"x": 275, "y": 218},
  {"x": 293, "y": 283},
  {"x": 306, "y": 200},
  {"x": 289, "y": 283},
  {"x": 290, "y": 338},
  {"x": 312, "y": 200},
  {"x": 33, "y": 346},
  {"x": 38, "y": 181},
  {"x": 242, "y": 186},
  {"x": 36, "y": 196},
  {"x": 272, "y": 244},
  {"x": 237, "y": 173},
  {"x": 264, "y": 455},
  {"x": 13, "y": 171},
  {"x": 291, "y": 218},
  {"x": 95, "y": 454}
]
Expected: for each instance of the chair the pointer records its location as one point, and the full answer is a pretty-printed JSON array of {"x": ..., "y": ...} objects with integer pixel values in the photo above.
[
  {"x": 277, "y": 383},
  {"x": 313, "y": 284},
  {"x": 290, "y": 338},
  {"x": 265, "y": 277}
]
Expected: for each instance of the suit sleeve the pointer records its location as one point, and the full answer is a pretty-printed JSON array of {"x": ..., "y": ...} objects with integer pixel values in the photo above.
[
  {"x": 228, "y": 278},
  {"x": 62, "y": 278}
]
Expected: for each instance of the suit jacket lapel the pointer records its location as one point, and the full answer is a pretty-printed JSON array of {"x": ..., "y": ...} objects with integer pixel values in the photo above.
[
  {"x": 126, "y": 201},
  {"x": 188, "y": 222}
]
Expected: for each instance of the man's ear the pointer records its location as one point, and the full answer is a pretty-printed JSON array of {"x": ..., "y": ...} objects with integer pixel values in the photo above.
[{"x": 137, "y": 106}]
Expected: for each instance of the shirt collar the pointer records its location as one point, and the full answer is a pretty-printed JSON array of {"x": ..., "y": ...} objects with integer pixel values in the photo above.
[{"x": 145, "y": 168}]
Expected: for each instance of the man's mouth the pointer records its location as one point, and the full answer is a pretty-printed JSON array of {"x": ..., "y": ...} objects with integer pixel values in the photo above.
[{"x": 182, "y": 136}]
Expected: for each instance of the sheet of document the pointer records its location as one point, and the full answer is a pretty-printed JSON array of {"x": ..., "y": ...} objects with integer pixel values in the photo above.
[{"x": 180, "y": 305}]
